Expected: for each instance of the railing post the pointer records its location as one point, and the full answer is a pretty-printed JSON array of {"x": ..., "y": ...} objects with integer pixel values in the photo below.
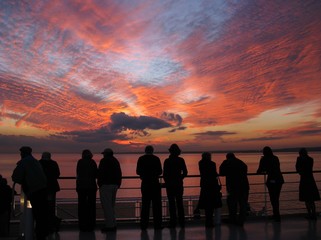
[
  {"x": 137, "y": 209},
  {"x": 26, "y": 219},
  {"x": 190, "y": 207}
]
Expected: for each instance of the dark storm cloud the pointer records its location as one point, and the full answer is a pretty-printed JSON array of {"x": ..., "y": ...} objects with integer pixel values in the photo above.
[
  {"x": 113, "y": 131},
  {"x": 262, "y": 139},
  {"x": 97, "y": 135},
  {"x": 122, "y": 121},
  {"x": 310, "y": 132},
  {"x": 215, "y": 133},
  {"x": 177, "y": 129},
  {"x": 172, "y": 117}
]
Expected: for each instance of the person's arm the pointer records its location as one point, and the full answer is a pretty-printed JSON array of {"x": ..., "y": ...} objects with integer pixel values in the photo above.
[
  {"x": 18, "y": 174},
  {"x": 120, "y": 174},
  {"x": 139, "y": 168},
  {"x": 56, "y": 170},
  {"x": 298, "y": 166},
  {"x": 165, "y": 171},
  {"x": 222, "y": 169},
  {"x": 159, "y": 167},
  {"x": 184, "y": 169},
  {"x": 262, "y": 167},
  {"x": 215, "y": 170}
]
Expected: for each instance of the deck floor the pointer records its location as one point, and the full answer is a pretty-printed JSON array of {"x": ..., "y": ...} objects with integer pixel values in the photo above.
[{"x": 291, "y": 227}]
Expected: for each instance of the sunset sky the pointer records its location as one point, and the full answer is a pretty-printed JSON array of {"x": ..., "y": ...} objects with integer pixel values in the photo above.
[{"x": 207, "y": 75}]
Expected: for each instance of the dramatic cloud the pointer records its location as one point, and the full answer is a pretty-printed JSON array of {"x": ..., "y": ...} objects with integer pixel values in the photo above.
[
  {"x": 121, "y": 121},
  {"x": 135, "y": 72}
]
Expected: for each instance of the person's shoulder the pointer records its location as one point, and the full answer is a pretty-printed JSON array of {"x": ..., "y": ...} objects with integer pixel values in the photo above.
[
  {"x": 241, "y": 161},
  {"x": 155, "y": 157},
  {"x": 115, "y": 160}
]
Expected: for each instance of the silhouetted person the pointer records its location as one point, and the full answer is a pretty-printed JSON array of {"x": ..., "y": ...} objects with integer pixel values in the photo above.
[
  {"x": 270, "y": 165},
  {"x": 210, "y": 196},
  {"x": 308, "y": 190},
  {"x": 174, "y": 172},
  {"x": 32, "y": 178},
  {"x": 52, "y": 172},
  {"x": 109, "y": 181},
  {"x": 5, "y": 207},
  {"x": 149, "y": 169},
  {"x": 86, "y": 188},
  {"x": 237, "y": 186}
]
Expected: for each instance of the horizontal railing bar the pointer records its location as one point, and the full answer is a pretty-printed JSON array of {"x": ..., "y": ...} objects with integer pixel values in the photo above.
[{"x": 196, "y": 175}]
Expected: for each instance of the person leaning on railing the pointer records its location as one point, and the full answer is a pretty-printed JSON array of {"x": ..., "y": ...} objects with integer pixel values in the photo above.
[
  {"x": 270, "y": 165},
  {"x": 32, "y": 178}
]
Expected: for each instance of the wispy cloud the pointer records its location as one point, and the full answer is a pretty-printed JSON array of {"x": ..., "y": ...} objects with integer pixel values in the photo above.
[{"x": 143, "y": 67}]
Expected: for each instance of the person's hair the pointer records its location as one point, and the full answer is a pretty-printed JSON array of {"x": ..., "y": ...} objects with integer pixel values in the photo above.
[
  {"x": 86, "y": 154},
  {"x": 206, "y": 156},
  {"x": 303, "y": 152},
  {"x": 174, "y": 149},
  {"x": 26, "y": 150},
  {"x": 149, "y": 149},
  {"x": 46, "y": 156},
  {"x": 230, "y": 155},
  {"x": 267, "y": 151},
  {"x": 108, "y": 152}
]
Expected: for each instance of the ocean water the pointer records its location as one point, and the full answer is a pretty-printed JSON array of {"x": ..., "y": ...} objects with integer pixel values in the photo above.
[{"x": 131, "y": 186}]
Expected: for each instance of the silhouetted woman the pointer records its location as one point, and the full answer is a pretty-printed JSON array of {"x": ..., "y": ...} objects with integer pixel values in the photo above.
[
  {"x": 86, "y": 188},
  {"x": 270, "y": 165},
  {"x": 210, "y": 196},
  {"x": 308, "y": 190},
  {"x": 174, "y": 172}
]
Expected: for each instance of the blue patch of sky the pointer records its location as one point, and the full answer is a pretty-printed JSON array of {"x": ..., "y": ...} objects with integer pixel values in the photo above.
[
  {"x": 157, "y": 71},
  {"x": 183, "y": 18}
]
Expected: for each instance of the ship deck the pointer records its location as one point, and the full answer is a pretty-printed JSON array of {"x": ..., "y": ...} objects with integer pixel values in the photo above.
[{"x": 291, "y": 227}]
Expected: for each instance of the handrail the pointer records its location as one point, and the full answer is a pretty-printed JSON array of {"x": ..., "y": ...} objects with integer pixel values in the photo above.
[
  {"x": 258, "y": 198},
  {"x": 197, "y": 175}
]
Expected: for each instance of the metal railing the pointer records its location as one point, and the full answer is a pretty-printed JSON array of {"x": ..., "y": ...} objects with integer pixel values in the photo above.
[{"x": 128, "y": 203}]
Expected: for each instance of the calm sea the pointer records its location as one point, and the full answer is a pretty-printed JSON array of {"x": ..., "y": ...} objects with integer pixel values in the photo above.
[{"x": 130, "y": 187}]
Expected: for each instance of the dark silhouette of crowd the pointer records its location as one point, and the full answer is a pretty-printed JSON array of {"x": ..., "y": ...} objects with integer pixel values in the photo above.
[{"x": 39, "y": 181}]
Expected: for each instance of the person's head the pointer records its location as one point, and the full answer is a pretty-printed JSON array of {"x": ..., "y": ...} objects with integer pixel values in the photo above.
[
  {"x": 107, "y": 152},
  {"x": 303, "y": 152},
  {"x": 3, "y": 181},
  {"x": 25, "y": 151},
  {"x": 206, "y": 156},
  {"x": 174, "y": 149},
  {"x": 46, "y": 156},
  {"x": 267, "y": 151},
  {"x": 149, "y": 149},
  {"x": 230, "y": 156},
  {"x": 87, "y": 154}
]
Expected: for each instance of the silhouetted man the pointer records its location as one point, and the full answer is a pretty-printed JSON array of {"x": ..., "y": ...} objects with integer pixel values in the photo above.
[
  {"x": 237, "y": 186},
  {"x": 32, "y": 178},
  {"x": 109, "y": 181},
  {"x": 149, "y": 169}
]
